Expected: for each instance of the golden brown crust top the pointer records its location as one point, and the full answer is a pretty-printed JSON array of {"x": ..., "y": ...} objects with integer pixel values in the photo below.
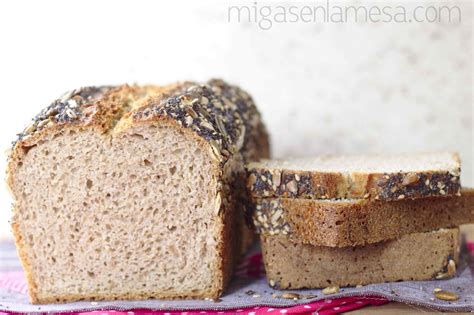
[
  {"x": 217, "y": 114},
  {"x": 223, "y": 115},
  {"x": 73, "y": 107}
]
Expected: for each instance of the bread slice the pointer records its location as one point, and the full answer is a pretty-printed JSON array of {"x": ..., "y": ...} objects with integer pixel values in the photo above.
[
  {"x": 353, "y": 222},
  {"x": 381, "y": 177},
  {"x": 419, "y": 256},
  {"x": 131, "y": 192}
]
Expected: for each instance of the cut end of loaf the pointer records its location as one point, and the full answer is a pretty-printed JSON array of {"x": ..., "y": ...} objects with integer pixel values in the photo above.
[
  {"x": 376, "y": 163},
  {"x": 126, "y": 217}
]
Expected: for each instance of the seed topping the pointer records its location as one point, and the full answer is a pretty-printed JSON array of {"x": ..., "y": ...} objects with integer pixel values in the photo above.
[
  {"x": 331, "y": 290},
  {"x": 446, "y": 295}
]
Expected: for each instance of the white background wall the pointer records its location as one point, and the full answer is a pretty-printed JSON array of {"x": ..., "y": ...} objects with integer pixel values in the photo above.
[{"x": 322, "y": 87}]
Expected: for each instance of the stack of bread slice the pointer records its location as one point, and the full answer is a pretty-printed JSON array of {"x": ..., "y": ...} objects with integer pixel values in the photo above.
[{"x": 355, "y": 220}]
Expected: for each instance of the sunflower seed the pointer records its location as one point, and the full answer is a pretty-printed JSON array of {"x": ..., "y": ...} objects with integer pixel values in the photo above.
[
  {"x": 276, "y": 216},
  {"x": 72, "y": 103},
  {"x": 207, "y": 125},
  {"x": 450, "y": 271},
  {"x": 204, "y": 100},
  {"x": 410, "y": 178},
  {"x": 252, "y": 179},
  {"x": 290, "y": 295},
  {"x": 189, "y": 120},
  {"x": 43, "y": 123},
  {"x": 191, "y": 112},
  {"x": 446, "y": 295},
  {"x": 67, "y": 96},
  {"x": 220, "y": 126},
  {"x": 31, "y": 128},
  {"x": 215, "y": 150},
  {"x": 203, "y": 112},
  {"x": 52, "y": 111},
  {"x": 331, "y": 290},
  {"x": 218, "y": 203},
  {"x": 276, "y": 176},
  {"x": 456, "y": 172},
  {"x": 213, "y": 300},
  {"x": 292, "y": 187}
]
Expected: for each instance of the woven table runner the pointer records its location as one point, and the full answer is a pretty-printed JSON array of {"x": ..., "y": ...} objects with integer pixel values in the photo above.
[{"x": 250, "y": 294}]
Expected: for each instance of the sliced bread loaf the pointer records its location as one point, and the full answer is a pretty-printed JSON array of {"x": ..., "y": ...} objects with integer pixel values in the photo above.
[
  {"x": 353, "y": 222},
  {"x": 419, "y": 256},
  {"x": 130, "y": 192},
  {"x": 390, "y": 177}
]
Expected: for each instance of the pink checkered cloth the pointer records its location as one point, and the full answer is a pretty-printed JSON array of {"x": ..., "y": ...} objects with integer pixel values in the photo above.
[
  {"x": 323, "y": 307},
  {"x": 249, "y": 277},
  {"x": 251, "y": 267}
]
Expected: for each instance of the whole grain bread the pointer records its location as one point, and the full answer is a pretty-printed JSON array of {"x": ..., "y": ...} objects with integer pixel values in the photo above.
[
  {"x": 354, "y": 222},
  {"x": 132, "y": 192},
  {"x": 380, "y": 177},
  {"x": 418, "y": 256}
]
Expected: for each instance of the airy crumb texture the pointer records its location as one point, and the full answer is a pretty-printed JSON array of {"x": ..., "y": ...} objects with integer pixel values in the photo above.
[
  {"x": 353, "y": 222},
  {"x": 131, "y": 192},
  {"x": 390, "y": 177},
  {"x": 107, "y": 218},
  {"x": 418, "y": 162},
  {"x": 419, "y": 256}
]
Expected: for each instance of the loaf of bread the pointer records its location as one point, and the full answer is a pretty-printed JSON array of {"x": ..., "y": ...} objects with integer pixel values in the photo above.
[
  {"x": 130, "y": 192},
  {"x": 419, "y": 256},
  {"x": 390, "y": 177},
  {"x": 354, "y": 222}
]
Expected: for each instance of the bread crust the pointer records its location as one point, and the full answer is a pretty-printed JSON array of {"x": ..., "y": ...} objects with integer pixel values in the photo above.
[
  {"x": 418, "y": 256},
  {"x": 286, "y": 183},
  {"x": 345, "y": 223},
  {"x": 22, "y": 250},
  {"x": 220, "y": 117}
]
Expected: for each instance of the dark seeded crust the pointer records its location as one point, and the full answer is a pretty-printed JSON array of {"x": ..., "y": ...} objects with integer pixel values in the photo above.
[
  {"x": 359, "y": 222},
  {"x": 326, "y": 185},
  {"x": 419, "y": 256},
  {"x": 223, "y": 115},
  {"x": 219, "y": 116}
]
